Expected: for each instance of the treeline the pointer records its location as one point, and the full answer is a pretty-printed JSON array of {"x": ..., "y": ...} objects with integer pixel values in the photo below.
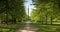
[
  {"x": 46, "y": 10},
  {"x": 12, "y": 11}
]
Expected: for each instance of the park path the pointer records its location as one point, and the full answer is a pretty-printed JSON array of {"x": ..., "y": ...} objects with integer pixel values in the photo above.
[{"x": 27, "y": 27}]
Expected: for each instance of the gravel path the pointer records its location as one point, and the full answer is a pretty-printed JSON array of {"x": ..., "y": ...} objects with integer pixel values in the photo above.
[{"x": 27, "y": 27}]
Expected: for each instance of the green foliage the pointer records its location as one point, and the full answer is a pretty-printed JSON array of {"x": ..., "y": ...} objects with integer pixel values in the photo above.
[
  {"x": 10, "y": 9},
  {"x": 2, "y": 5},
  {"x": 49, "y": 8}
]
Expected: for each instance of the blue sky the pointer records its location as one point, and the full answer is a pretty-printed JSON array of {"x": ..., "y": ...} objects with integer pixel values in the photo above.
[{"x": 30, "y": 6}]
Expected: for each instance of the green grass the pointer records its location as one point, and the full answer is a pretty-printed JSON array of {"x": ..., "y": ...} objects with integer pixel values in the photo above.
[
  {"x": 47, "y": 28},
  {"x": 41, "y": 27},
  {"x": 10, "y": 28}
]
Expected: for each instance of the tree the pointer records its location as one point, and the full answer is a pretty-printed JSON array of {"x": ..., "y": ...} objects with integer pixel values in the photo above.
[
  {"x": 46, "y": 9},
  {"x": 14, "y": 9}
]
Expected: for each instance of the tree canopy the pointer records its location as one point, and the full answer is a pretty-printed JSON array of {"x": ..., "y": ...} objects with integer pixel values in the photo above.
[
  {"x": 12, "y": 9},
  {"x": 49, "y": 8}
]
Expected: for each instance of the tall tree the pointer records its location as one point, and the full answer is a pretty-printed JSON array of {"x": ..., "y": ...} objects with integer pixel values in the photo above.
[
  {"x": 14, "y": 8},
  {"x": 45, "y": 9}
]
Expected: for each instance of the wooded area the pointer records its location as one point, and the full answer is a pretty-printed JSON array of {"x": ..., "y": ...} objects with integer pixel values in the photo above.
[
  {"x": 12, "y": 11},
  {"x": 46, "y": 16},
  {"x": 46, "y": 11}
]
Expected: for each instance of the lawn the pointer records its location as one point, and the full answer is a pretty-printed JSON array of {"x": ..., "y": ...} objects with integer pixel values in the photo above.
[
  {"x": 10, "y": 27},
  {"x": 47, "y": 27}
]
